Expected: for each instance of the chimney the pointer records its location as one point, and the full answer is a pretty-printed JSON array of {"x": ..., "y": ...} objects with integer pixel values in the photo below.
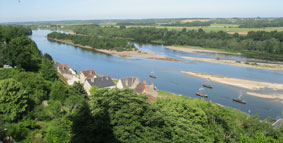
[
  {"x": 144, "y": 81},
  {"x": 152, "y": 85},
  {"x": 92, "y": 79},
  {"x": 107, "y": 77}
]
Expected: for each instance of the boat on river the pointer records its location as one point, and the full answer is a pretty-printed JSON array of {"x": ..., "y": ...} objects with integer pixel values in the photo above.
[
  {"x": 152, "y": 76},
  {"x": 202, "y": 94},
  {"x": 207, "y": 86},
  {"x": 239, "y": 100}
]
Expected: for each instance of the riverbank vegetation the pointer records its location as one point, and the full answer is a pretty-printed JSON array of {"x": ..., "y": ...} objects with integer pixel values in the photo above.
[
  {"x": 95, "y": 42},
  {"x": 259, "y": 44},
  {"x": 37, "y": 106}
]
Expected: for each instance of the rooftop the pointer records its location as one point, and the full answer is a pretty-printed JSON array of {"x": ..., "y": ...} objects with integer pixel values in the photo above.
[
  {"x": 101, "y": 82},
  {"x": 64, "y": 69},
  {"x": 89, "y": 73}
]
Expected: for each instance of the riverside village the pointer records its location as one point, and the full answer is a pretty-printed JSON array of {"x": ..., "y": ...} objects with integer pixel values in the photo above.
[{"x": 90, "y": 79}]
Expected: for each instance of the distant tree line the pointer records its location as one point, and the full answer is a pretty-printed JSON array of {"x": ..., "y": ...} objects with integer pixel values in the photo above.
[
  {"x": 189, "y": 24},
  {"x": 242, "y": 22},
  {"x": 263, "y": 23},
  {"x": 260, "y": 44},
  {"x": 135, "y": 24},
  {"x": 95, "y": 42}
]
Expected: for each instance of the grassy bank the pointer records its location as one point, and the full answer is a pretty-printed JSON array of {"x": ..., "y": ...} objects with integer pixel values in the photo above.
[{"x": 167, "y": 94}]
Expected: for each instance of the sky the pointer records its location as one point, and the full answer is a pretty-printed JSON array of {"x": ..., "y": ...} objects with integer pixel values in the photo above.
[{"x": 54, "y": 10}]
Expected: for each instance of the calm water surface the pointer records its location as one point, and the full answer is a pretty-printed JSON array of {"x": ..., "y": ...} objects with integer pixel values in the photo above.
[{"x": 169, "y": 79}]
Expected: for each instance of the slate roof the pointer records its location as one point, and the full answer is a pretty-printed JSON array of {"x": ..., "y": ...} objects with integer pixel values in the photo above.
[
  {"x": 129, "y": 82},
  {"x": 101, "y": 82},
  {"x": 89, "y": 73}
]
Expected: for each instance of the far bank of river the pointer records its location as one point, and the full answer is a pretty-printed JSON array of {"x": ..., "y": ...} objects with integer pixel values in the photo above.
[{"x": 168, "y": 76}]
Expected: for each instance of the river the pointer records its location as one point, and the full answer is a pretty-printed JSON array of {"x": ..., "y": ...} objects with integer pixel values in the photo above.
[{"x": 169, "y": 78}]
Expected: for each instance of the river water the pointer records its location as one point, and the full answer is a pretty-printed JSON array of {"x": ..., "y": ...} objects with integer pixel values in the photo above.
[{"x": 169, "y": 78}]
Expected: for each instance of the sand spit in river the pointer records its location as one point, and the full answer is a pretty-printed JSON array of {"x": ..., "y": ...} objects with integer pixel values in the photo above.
[
  {"x": 241, "y": 64},
  {"x": 124, "y": 54},
  {"x": 192, "y": 49}
]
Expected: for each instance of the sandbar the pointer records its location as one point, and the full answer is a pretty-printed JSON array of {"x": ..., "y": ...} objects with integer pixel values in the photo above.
[{"x": 268, "y": 66}]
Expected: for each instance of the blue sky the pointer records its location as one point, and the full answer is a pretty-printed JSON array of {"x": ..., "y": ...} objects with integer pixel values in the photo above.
[{"x": 44, "y": 10}]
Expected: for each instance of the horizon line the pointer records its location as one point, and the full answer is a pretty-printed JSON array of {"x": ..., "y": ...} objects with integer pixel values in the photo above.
[{"x": 109, "y": 19}]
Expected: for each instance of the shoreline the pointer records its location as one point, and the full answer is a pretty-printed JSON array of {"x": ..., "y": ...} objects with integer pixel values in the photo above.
[
  {"x": 194, "y": 49},
  {"x": 123, "y": 54},
  {"x": 274, "y": 97},
  {"x": 268, "y": 66},
  {"x": 242, "y": 83}
]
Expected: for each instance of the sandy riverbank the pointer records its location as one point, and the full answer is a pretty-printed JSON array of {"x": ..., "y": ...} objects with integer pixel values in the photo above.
[
  {"x": 274, "y": 97},
  {"x": 241, "y": 64},
  {"x": 124, "y": 54},
  {"x": 242, "y": 83},
  {"x": 192, "y": 49}
]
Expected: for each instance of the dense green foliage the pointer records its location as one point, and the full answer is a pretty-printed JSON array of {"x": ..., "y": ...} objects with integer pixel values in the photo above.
[
  {"x": 18, "y": 50},
  {"x": 267, "y": 45},
  {"x": 22, "y": 52},
  {"x": 37, "y": 110},
  {"x": 7, "y": 33},
  {"x": 258, "y": 23},
  {"x": 95, "y": 41},
  {"x": 13, "y": 100},
  {"x": 122, "y": 116},
  {"x": 31, "y": 107}
]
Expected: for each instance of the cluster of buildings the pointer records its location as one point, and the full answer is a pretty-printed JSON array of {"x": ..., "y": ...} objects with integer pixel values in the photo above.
[{"x": 89, "y": 78}]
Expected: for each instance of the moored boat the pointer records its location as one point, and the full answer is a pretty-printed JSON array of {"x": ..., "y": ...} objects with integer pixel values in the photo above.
[
  {"x": 201, "y": 94},
  {"x": 152, "y": 76},
  {"x": 239, "y": 100},
  {"x": 207, "y": 86}
]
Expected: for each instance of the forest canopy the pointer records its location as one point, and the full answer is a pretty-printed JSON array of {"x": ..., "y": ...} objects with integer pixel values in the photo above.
[{"x": 95, "y": 41}]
